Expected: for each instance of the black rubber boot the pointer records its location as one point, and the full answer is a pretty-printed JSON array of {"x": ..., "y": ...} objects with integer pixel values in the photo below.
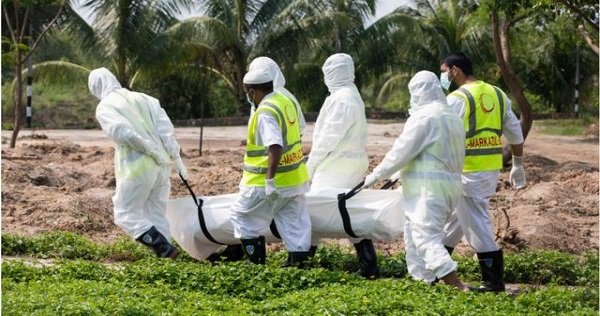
[
  {"x": 312, "y": 251},
  {"x": 230, "y": 254},
  {"x": 157, "y": 242},
  {"x": 449, "y": 249},
  {"x": 492, "y": 271},
  {"x": 367, "y": 259},
  {"x": 297, "y": 259},
  {"x": 255, "y": 249}
]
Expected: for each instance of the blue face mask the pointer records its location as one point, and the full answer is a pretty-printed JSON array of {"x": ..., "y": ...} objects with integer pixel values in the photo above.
[{"x": 445, "y": 81}]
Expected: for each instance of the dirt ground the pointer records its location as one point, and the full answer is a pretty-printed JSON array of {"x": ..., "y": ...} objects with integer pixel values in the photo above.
[{"x": 64, "y": 180}]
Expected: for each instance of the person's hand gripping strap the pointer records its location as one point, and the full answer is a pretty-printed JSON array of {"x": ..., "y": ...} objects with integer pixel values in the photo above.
[{"x": 181, "y": 168}]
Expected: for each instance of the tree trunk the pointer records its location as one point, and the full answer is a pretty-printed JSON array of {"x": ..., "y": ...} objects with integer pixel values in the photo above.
[
  {"x": 18, "y": 100},
  {"x": 503, "y": 58},
  {"x": 239, "y": 77},
  {"x": 588, "y": 40},
  {"x": 122, "y": 29},
  {"x": 17, "y": 34}
]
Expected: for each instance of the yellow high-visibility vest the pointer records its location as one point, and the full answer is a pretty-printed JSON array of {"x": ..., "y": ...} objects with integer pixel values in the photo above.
[
  {"x": 291, "y": 170},
  {"x": 484, "y": 117}
]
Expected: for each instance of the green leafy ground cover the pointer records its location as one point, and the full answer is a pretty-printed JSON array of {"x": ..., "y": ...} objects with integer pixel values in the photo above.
[{"x": 85, "y": 278}]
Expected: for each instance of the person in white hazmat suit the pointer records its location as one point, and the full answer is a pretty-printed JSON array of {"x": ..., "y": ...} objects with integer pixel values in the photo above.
[
  {"x": 487, "y": 113},
  {"x": 429, "y": 154},
  {"x": 145, "y": 150},
  {"x": 264, "y": 62},
  {"x": 338, "y": 157},
  {"x": 274, "y": 179}
]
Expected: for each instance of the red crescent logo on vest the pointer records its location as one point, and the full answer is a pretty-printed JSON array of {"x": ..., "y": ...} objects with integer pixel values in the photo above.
[
  {"x": 291, "y": 121},
  {"x": 486, "y": 102}
]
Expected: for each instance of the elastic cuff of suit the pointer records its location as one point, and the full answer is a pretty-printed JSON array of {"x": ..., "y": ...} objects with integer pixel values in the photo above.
[{"x": 445, "y": 269}]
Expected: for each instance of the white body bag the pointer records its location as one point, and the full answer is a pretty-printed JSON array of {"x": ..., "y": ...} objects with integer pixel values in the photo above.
[{"x": 335, "y": 213}]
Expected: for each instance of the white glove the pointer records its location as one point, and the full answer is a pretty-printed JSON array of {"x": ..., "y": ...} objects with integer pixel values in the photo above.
[
  {"x": 160, "y": 158},
  {"x": 395, "y": 176},
  {"x": 517, "y": 174},
  {"x": 369, "y": 181},
  {"x": 181, "y": 168},
  {"x": 270, "y": 189}
]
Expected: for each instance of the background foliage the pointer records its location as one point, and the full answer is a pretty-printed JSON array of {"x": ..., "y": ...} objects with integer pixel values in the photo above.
[{"x": 193, "y": 57}]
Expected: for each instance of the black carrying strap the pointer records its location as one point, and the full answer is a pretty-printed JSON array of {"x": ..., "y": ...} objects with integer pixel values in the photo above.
[
  {"x": 274, "y": 230},
  {"x": 199, "y": 202},
  {"x": 388, "y": 184},
  {"x": 342, "y": 198}
]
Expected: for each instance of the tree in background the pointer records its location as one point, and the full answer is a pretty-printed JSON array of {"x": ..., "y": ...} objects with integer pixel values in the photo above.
[
  {"x": 586, "y": 13},
  {"x": 226, "y": 37},
  {"x": 417, "y": 39},
  {"x": 323, "y": 27},
  {"x": 505, "y": 14},
  {"x": 24, "y": 24},
  {"x": 546, "y": 49},
  {"x": 123, "y": 33},
  {"x": 200, "y": 61}
]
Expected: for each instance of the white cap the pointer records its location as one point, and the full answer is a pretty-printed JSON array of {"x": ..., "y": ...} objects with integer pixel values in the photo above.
[
  {"x": 258, "y": 76},
  {"x": 268, "y": 63}
]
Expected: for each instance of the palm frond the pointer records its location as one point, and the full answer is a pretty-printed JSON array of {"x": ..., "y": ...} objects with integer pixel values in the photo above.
[{"x": 57, "y": 73}]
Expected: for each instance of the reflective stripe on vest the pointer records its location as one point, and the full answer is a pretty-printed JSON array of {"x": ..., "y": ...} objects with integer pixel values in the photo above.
[
  {"x": 291, "y": 170},
  {"x": 139, "y": 117},
  {"x": 483, "y": 126}
]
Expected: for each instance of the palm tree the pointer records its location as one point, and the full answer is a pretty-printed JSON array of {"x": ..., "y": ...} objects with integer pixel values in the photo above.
[
  {"x": 417, "y": 39},
  {"x": 124, "y": 32},
  {"x": 319, "y": 28},
  {"x": 231, "y": 33}
]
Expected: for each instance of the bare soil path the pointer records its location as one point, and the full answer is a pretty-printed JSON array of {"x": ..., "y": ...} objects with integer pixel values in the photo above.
[{"x": 64, "y": 179}]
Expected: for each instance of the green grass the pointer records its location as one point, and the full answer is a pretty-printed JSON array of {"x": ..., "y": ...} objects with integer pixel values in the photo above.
[
  {"x": 55, "y": 106},
  {"x": 565, "y": 127},
  {"x": 123, "y": 278},
  {"x": 163, "y": 287},
  {"x": 532, "y": 267}
]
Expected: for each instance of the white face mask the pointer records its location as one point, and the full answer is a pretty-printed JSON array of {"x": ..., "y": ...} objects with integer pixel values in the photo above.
[
  {"x": 445, "y": 81},
  {"x": 252, "y": 105}
]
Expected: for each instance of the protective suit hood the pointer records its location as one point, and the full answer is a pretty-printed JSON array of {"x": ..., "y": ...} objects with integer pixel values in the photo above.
[
  {"x": 101, "y": 82},
  {"x": 268, "y": 63},
  {"x": 425, "y": 88},
  {"x": 271, "y": 66},
  {"x": 338, "y": 71}
]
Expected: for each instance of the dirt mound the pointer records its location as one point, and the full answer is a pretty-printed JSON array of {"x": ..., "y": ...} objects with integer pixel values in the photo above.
[
  {"x": 557, "y": 210},
  {"x": 59, "y": 185}
]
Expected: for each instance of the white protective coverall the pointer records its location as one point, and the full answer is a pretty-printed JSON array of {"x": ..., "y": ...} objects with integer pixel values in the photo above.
[
  {"x": 145, "y": 148},
  {"x": 338, "y": 157},
  {"x": 264, "y": 62},
  {"x": 430, "y": 154},
  {"x": 473, "y": 213}
]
